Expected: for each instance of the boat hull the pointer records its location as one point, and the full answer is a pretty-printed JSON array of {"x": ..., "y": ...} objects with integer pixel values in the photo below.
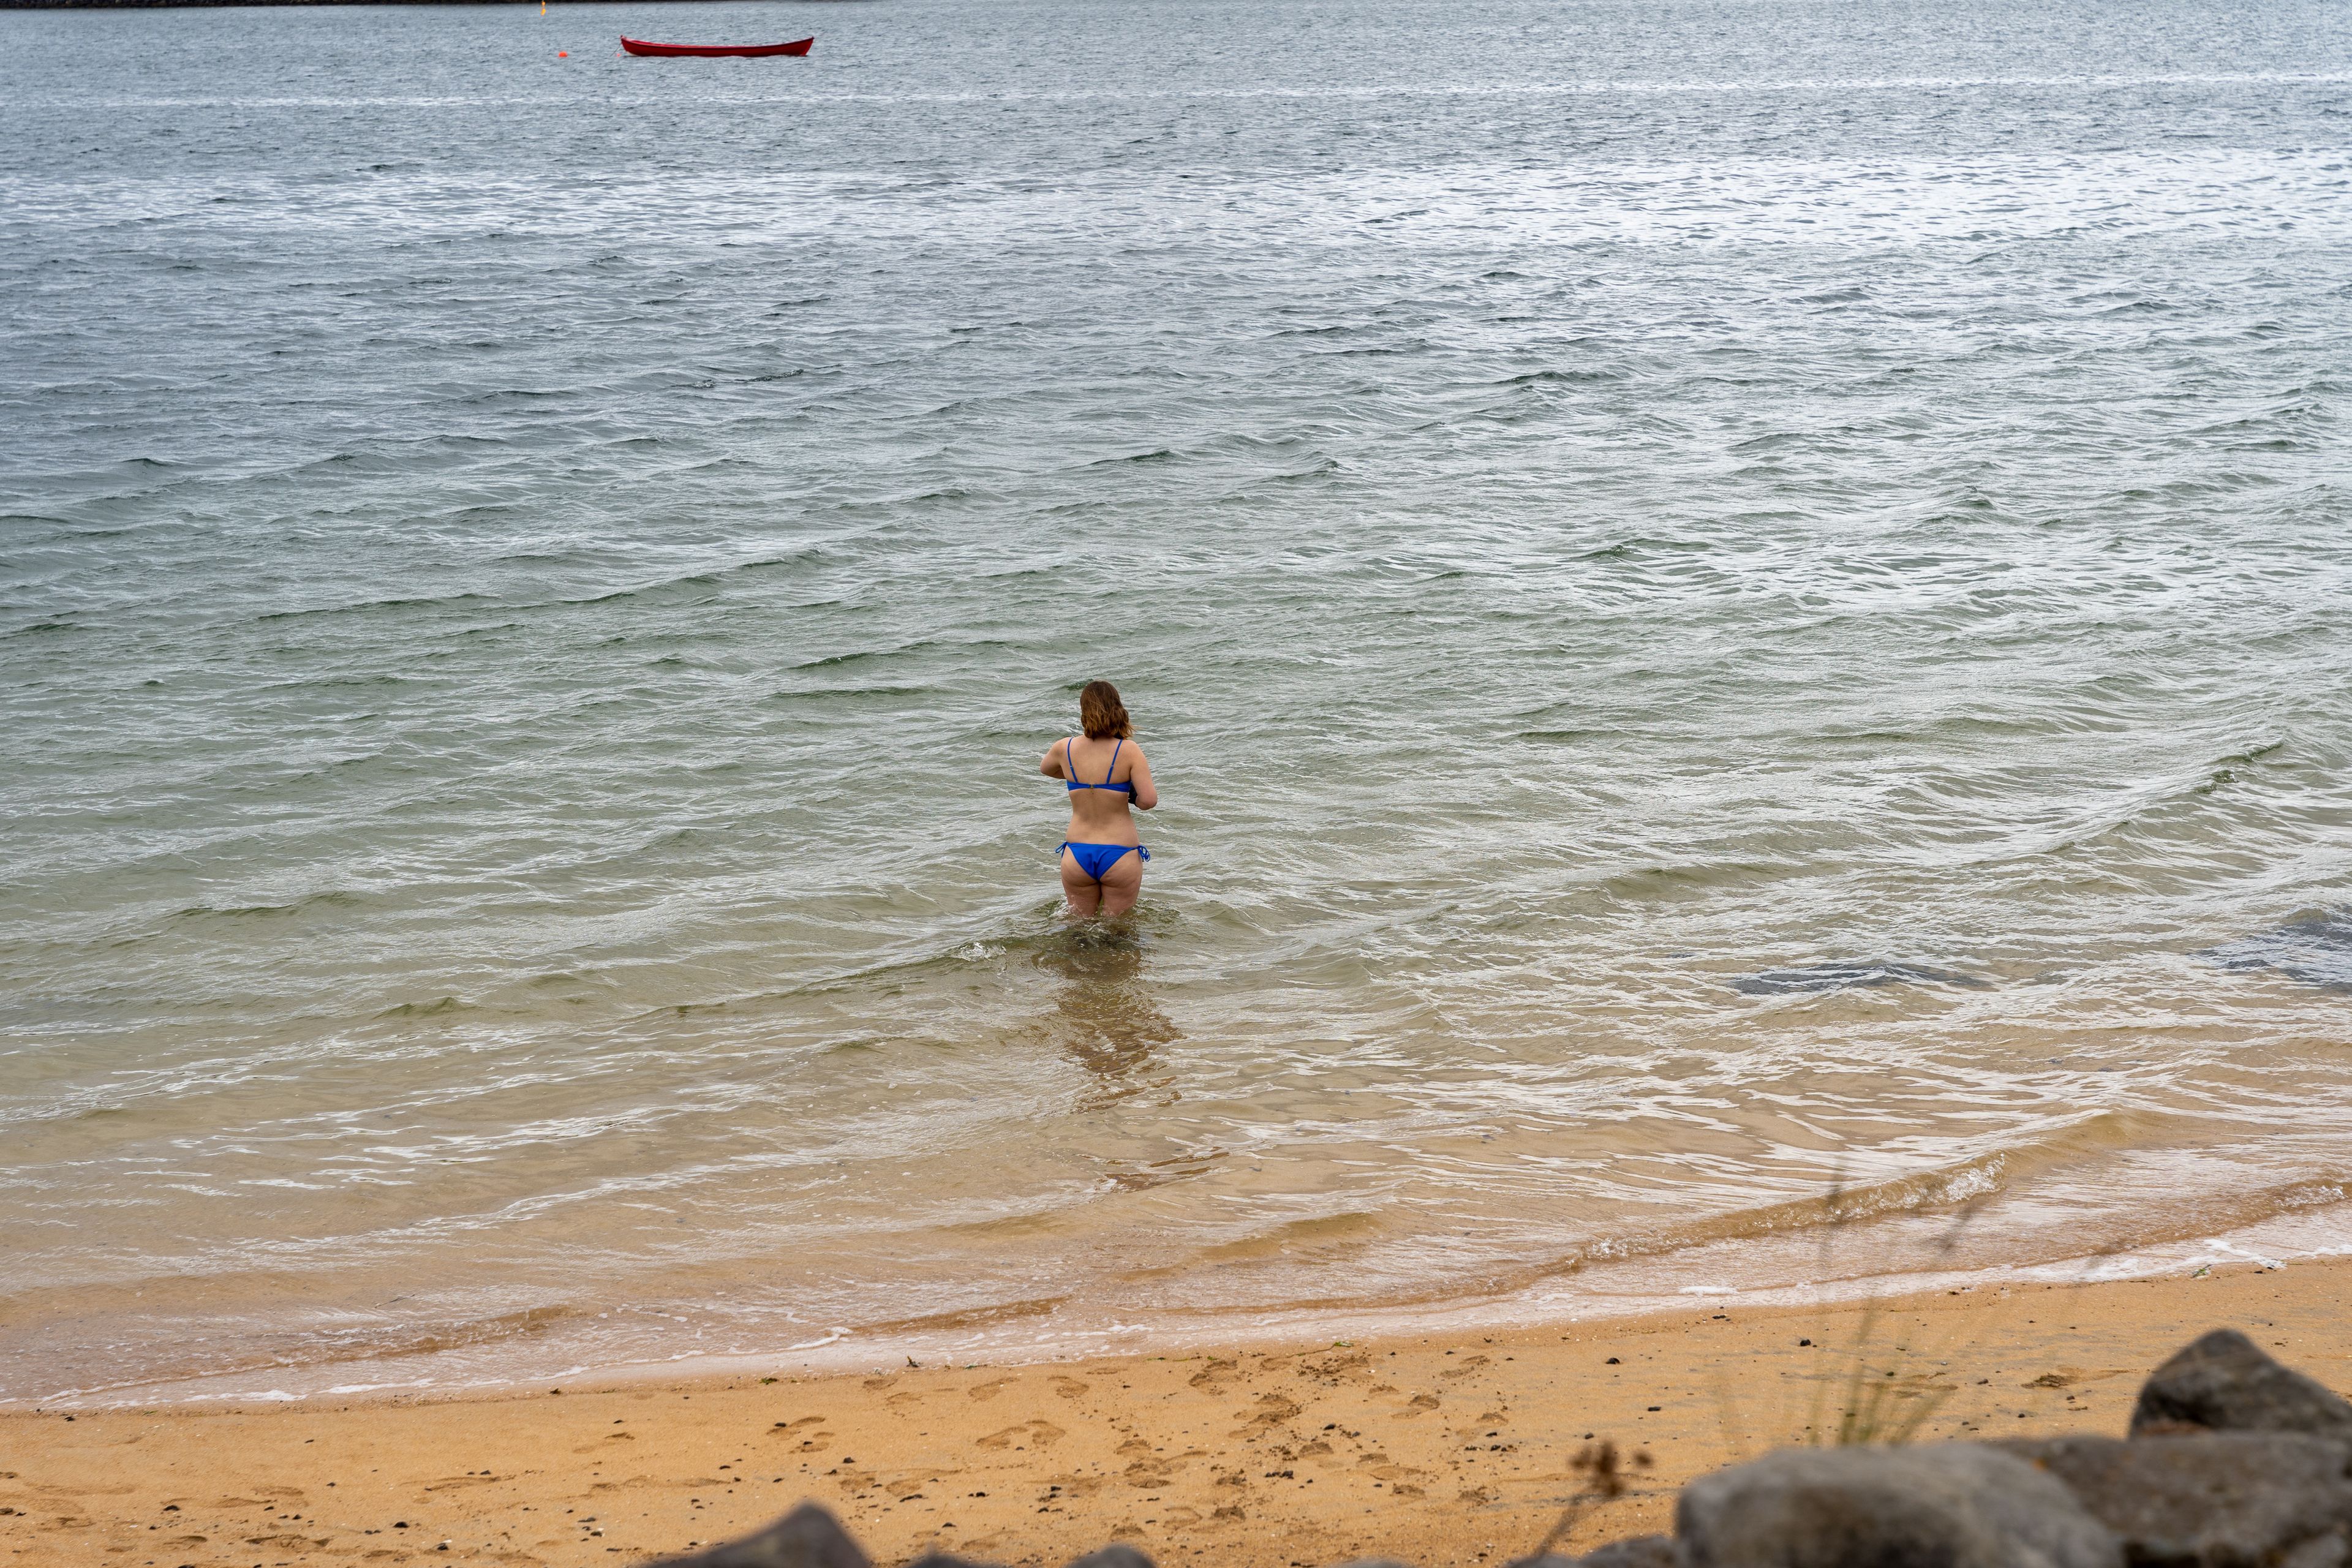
[{"x": 716, "y": 51}]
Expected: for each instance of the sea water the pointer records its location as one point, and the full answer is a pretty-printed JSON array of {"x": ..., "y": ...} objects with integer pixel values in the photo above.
[{"x": 1741, "y": 607}]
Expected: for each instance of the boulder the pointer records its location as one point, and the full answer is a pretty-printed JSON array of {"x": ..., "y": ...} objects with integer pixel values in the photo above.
[
  {"x": 1634, "y": 1552},
  {"x": 1117, "y": 1555},
  {"x": 1950, "y": 1505},
  {"x": 2319, "y": 1552},
  {"x": 2218, "y": 1499},
  {"x": 2224, "y": 1383},
  {"x": 808, "y": 1537}
]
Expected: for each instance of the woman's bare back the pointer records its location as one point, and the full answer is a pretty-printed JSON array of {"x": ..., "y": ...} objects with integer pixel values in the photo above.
[{"x": 1107, "y": 779}]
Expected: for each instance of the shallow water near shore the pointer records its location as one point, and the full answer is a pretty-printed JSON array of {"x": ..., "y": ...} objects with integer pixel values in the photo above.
[{"x": 1740, "y": 610}]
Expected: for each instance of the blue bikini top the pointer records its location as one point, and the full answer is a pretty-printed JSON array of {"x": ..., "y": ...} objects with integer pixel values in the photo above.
[{"x": 1070, "y": 771}]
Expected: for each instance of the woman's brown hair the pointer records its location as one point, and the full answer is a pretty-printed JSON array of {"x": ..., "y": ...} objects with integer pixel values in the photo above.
[{"x": 1102, "y": 714}]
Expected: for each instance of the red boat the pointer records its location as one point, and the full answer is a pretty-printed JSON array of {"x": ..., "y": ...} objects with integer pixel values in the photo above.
[{"x": 716, "y": 51}]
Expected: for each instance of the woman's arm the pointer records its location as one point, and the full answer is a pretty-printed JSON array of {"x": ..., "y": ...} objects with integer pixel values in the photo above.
[
  {"x": 1050, "y": 765},
  {"x": 1147, "y": 793}
]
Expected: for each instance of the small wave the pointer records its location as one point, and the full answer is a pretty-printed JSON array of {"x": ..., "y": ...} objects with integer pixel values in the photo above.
[
  {"x": 1648, "y": 883},
  {"x": 967, "y": 1317},
  {"x": 834, "y": 661},
  {"x": 1566, "y": 377},
  {"x": 2226, "y": 771},
  {"x": 1162, "y": 1173},
  {"x": 333, "y": 898},
  {"x": 2155, "y": 802},
  {"x": 335, "y": 1346},
  {"x": 423, "y": 1009},
  {"x": 1634, "y": 548},
  {"x": 1843, "y": 975},
  {"x": 1320, "y": 1233},
  {"x": 652, "y": 591},
  {"x": 1943, "y": 1189},
  {"x": 847, "y": 692},
  {"x": 477, "y": 1331},
  {"x": 371, "y": 606}
]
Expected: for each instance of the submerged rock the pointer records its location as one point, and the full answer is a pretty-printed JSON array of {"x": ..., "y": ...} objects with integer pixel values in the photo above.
[
  {"x": 2216, "y": 1500},
  {"x": 1951, "y": 1505},
  {"x": 2316, "y": 950},
  {"x": 808, "y": 1537},
  {"x": 2225, "y": 1383}
]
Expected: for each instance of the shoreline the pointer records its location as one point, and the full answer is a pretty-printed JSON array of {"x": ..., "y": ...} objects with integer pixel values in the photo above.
[
  {"x": 1454, "y": 1448},
  {"x": 1564, "y": 1297}
]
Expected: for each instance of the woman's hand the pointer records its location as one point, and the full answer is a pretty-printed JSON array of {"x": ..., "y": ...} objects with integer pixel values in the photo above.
[
  {"x": 1147, "y": 795},
  {"x": 1050, "y": 765}
]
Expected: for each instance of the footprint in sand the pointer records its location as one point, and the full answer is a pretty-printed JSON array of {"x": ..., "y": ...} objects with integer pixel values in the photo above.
[
  {"x": 1271, "y": 1411},
  {"x": 1067, "y": 1387},
  {"x": 992, "y": 1388},
  {"x": 1216, "y": 1373},
  {"x": 1355, "y": 1365},
  {"x": 1032, "y": 1434}
]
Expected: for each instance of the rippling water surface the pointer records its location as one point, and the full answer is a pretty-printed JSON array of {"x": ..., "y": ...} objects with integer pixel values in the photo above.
[{"x": 1741, "y": 608}]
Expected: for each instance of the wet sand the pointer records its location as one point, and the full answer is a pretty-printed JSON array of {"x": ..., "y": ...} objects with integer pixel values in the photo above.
[{"x": 1438, "y": 1450}]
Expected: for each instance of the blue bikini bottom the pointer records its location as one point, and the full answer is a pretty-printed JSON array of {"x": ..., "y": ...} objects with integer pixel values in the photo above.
[{"x": 1094, "y": 859}]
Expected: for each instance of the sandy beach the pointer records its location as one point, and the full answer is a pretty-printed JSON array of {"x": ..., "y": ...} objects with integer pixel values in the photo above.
[{"x": 1454, "y": 1451}]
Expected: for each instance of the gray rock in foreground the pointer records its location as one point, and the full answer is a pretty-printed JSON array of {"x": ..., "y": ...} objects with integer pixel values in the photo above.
[
  {"x": 2216, "y": 1500},
  {"x": 1637, "y": 1551},
  {"x": 2225, "y": 1383},
  {"x": 1634, "y": 1552},
  {"x": 808, "y": 1537},
  {"x": 1114, "y": 1556},
  {"x": 1952, "y": 1505}
]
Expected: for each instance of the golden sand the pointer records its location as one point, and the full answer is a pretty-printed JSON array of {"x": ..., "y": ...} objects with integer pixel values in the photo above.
[{"x": 1438, "y": 1450}]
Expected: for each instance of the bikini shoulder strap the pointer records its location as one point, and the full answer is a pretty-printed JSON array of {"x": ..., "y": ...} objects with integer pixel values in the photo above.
[{"x": 1112, "y": 772}]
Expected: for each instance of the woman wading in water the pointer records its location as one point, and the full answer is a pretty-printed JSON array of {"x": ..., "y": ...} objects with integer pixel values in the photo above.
[{"x": 1102, "y": 859}]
